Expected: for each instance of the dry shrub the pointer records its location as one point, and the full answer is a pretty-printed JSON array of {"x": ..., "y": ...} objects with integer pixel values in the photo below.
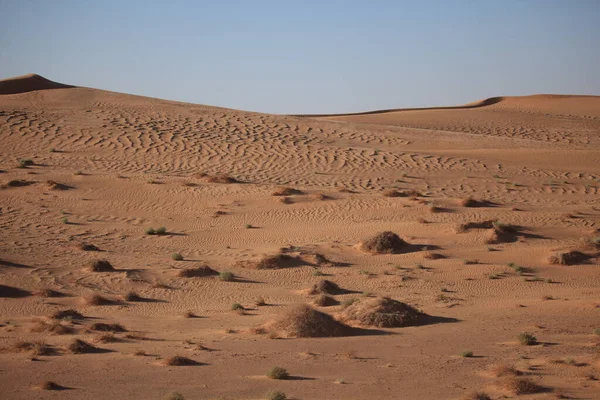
[
  {"x": 381, "y": 312},
  {"x": 102, "y": 327},
  {"x": 503, "y": 370},
  {"x": 47, "y": 293},
  {"x": 96, "y": 300},
  {"x": 222, "y": 178},
  {"x": 304, "y": 321},
  {"x": 66, "y": 314},
  {"x": 197, "y": 272},
  {"x": 78, "y": 346},
  {"x": 321, "y": 197},
  {"x": 49, "y": 385},
  {"x": 286, "y": 191},
  {"x": 53, "y": 185},
  {"x": 132, "y": 296},
  {"x": 489, "y": 224},
  {"x": 433, "y": 256},
  {"x": 316, "y": 259},
  {"x": 568, "y": 258},
  {"x": 591, "y": 243},
  {"x": 471, "y": 202},
  {"x": 393, "y": 193},
  {"x": 477, "y": 396},
  {"x": 502, "y": 233},
  {"x": 285, "y": 200},
  {"x": 435, "y": 209},
  {"x": 17, "y": 183},
  {"x": 88, "y": 247},
  {"x": 37, "y": 348},
  {"x": 323, "y": 300},
  {"x": 13, "y": 292},
  {"x": 53, "y": 327},
  {"x": 325, "y": 287},
  {"x": 276, "y": 261},
  {"x": 384, "y": 243},
  {"x": 520, "y": 386},
  {"x": 179, "y": 361},
  {"x": 106, "y": 338},
  {"x": 101, "y": 266}
]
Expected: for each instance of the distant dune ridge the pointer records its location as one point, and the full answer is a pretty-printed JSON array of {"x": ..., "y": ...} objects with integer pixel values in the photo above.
[
  {"x": 28, "y": 83},
  {"x": 173, "y": 242}
]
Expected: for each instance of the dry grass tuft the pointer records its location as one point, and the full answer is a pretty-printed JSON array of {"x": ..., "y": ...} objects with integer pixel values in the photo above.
[
  {"x": 323, "y": 300},
  {"x": 471, "y": 202},
  {"x": 276, "y": 261},
  {"x": 179, "y": 361},
  {"x": 36, "y": 349},
  {"x": 503, "y": 370},
  {"x": 197, "y": 272},
  {"x": 520, "y": 386},
  {"x": 286, "y": 191},
  {"x": 102, "y": 327},
  {"x": 304, "y": 321},
  {"x": 101, "y": 266},
  {"x": 384, "y": 243},
  {"x": 381, "y": 312},
  {"x": 96, "y": 300},
  {"x": 325, "y": 287},
  {"x": 476, "y": 396},
  {"x": 87, "y": 247},
  {"x": 47, "y": 293},
  {"x": 53, "y": 327},
  {"x": 66, "y": 314},
  {"x": 49, "y": 385},
  {"x": 568, "y": 258},
  {"x": 78, "y": 346},
  {"x": 221, "y": 178}
]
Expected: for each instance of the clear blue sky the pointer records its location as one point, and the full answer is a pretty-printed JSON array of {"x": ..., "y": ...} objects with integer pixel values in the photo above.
[{"x": 308, "y": 56}]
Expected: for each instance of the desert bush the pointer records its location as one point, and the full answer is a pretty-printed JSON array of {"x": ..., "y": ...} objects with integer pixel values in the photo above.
[
  {"x": 237, "y": 307},
  {"x": 178, "y": 361},
  {"x": 226, "y": 276},
  {"x": 78, "y": 346},
  {"x": 466, "y": 354},
  {"x": 278, "y": 373},
  {"x": 101, "y": 266},
  {"x": 276, "y": 395},
  {"x": 521, "y": 386},
  {"x": 177, "y": 257},
  {"x": 527, "y": 339},
  {"x": 384, "y": 243}
]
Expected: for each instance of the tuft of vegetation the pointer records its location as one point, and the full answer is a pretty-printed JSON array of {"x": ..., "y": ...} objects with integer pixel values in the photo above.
[
  {"x": 237, "y": 307},
  {"x": 178, "y": 361},
  {"x": 249, "y": 226},
  {"x": 226, "y": 276},
  {"x": 160, "y": 231},
  {"x": 52, "y": 150},
  {"x": 527, "y": 339},
  {"x": 25, "y": 163},
  {"x": 64, "y": 220},
  {"x": 348, "y": 302},
  {"x": 278, "y": 373},
  {"x": 174, "y": 396},
  {"x": 259, "y": 302},
  {"x": 49, "y": 385},
  {"x": 466, "y": 354},
  {"x": 276, "y": 395},
  {"x": 177, "y": 257},
  {"x": 596, "y": 331}
]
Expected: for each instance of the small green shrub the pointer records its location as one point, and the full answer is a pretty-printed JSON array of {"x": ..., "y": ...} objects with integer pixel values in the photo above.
[
  {"x": 64, "y": 220},
  {"x": 25, "y": 163},
  {"x": 249, "y": 226},
  {"x": 150, "y": 231},
  {"x": 596, "y": 331},
  {"x": 174, "y": 396},
  {"x": 278, "y": 373},
  {"x": 161, "y": 231},
  {"x": 177, "y": 257},
  {"x": 466, "y": 354},
  {"x": 237, "y": 307}
]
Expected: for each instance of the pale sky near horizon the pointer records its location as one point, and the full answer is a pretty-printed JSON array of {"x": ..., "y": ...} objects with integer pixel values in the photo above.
[{"x": 308, "y": 56}]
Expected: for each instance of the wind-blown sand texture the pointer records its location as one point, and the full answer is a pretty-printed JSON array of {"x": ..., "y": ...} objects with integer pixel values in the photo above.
[{"x": 106, "y": 167}]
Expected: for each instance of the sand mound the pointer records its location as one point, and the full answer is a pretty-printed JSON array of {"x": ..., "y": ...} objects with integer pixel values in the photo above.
[
  {"x": 381, "y": 312},
  {"x": 197, "y": 272},
  {"x": 276, "y": 261},
  {"x": 303, "y": 321},
  {"x": 384, "y": 243},
  {"x": 28, "y": 83}
]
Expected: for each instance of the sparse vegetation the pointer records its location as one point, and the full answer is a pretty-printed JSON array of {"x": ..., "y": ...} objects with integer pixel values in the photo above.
[
  {"x": 527, "y": 339},
  {"x": 521, "y": 386},
  {"x": 226, "y": 276},
  {"x": 101, "y": 266},
  {"x": 179, "y": 361},
  {"x": 278, "y": 373},
  {"x": 237, "y": 307},
  {"x": 177, "y": 257},
  {"x": 276, "y": 395},
  {"x": 174, "y": 396},
  {"x": 49, "y": 385},
  {"x": 384, "y": 243},
  {"x": 466, "y": 354},
  {"x": 64, "y": 220},
  {"x": 160, "y": 231}
]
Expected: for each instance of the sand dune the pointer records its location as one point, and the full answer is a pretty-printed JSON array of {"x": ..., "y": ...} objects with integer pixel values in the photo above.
[{"x": 92, "y": 175}]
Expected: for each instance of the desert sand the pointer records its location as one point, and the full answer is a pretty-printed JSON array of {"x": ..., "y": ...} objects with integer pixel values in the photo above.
[{"x": 495, "y": 205}]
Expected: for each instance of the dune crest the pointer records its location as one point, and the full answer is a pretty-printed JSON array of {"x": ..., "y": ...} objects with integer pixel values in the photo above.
[{"x": 28, "y": 83}]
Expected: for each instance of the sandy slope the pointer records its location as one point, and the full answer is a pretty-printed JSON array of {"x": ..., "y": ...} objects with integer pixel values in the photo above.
[{"x": 131, "y": 162}]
